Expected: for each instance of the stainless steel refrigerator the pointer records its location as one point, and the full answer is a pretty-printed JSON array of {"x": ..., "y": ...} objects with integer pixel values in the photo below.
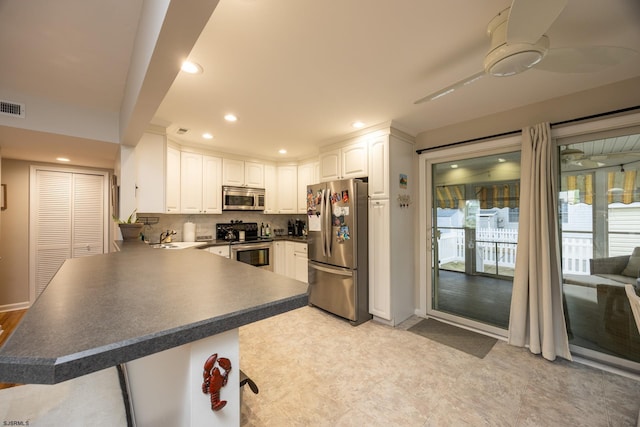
[{"x": 338, "y": 248}]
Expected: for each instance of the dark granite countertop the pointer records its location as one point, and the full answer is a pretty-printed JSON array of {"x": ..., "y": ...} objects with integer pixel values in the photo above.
[
  {"x": 108, "y": 309},
  {"x": 218, "y": 242}
]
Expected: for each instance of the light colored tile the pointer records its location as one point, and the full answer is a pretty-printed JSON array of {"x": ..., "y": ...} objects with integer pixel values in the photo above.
[{"x": 314, "y": 369}]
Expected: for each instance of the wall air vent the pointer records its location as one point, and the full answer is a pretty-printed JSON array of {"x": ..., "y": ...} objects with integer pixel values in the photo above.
[
  {"x": 13, "y": 109},
  {"x": 182, "y": 131}
]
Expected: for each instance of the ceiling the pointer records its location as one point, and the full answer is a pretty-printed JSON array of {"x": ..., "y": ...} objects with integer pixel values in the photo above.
[{"x": 296, "y": 73}]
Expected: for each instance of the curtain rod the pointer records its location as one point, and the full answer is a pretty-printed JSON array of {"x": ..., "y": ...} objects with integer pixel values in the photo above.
[{"x": 513, "y": 132}]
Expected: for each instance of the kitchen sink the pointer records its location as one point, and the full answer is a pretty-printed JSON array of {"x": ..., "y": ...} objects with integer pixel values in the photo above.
[{"x": 176, "y": 245}]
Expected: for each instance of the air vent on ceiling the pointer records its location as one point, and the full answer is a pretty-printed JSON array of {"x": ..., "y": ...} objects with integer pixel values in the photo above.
[
  {"x": 12, "y": 109},
  {"x": 182, "y": 131}
]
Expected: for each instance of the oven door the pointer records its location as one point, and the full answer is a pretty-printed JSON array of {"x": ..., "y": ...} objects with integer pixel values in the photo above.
[{"x": 256, "y": 254}]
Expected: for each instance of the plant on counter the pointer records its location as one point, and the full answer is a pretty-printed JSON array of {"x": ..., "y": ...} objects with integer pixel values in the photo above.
[
  {"x": 130, "y": 220},
  {"x": 130, "y": 229}
]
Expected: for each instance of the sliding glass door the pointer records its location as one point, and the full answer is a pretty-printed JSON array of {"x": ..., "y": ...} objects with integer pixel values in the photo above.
[
  {"x": 600, "y": 227},
  {"x": 472, "y": 212}
]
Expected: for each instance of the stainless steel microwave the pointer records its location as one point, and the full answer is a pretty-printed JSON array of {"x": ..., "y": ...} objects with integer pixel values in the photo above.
[{"x": 242, "y": 199}]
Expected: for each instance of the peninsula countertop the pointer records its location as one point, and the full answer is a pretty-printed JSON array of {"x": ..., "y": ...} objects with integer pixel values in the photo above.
[{"x": 104, "y": 310}]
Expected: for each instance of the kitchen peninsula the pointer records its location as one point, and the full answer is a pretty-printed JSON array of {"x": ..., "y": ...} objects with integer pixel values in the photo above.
[{"x": 132, "y": 305}]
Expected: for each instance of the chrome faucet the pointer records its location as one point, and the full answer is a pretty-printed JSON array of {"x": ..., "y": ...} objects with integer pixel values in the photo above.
[{"x": 165, "y": 236}]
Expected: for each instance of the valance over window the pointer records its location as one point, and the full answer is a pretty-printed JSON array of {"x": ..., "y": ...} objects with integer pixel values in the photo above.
[
  {"x": 622, "y": 187},
  {"x": 499, "y": 195}
]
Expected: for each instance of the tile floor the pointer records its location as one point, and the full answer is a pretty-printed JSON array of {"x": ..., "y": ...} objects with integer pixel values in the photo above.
[{"x": 316, "y": 370}]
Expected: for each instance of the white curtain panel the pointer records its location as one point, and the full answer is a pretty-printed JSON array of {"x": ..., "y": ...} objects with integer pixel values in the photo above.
[{"x": 537, "y": 318}]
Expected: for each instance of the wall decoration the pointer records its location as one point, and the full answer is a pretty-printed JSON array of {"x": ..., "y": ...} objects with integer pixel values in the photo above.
[
  {"x": 403, "y": 181},
  {"x": 3, "y": 197},
  {"x": 214, "y": 380}
]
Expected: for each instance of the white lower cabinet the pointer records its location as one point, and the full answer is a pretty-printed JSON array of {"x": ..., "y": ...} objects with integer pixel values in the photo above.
[
  {"x": 300, "y": 261},
  {"x": 279, "y": 258},
  {"x": 220, "y": 250},
  {"x": 379, "y": 259},
  {"x": 290, "y": 259},
  {"x": 289, "y": 255}
]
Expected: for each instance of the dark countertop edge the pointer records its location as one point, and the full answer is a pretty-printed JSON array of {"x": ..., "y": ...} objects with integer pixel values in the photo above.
[
  {"x": 203, "y": 244},
  {"x": 208, "y": 243},
  {"x": 49, "y": 371}
]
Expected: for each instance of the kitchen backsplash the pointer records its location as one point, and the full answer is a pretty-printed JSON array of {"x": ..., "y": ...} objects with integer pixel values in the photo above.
[{"x": 206, "y": 224}]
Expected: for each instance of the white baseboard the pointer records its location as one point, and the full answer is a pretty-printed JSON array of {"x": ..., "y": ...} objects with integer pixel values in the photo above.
[{"x": 14, "y": 306}]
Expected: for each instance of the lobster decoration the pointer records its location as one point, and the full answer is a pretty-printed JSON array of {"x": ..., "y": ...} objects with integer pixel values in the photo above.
[{"x": 214, "y": 380}]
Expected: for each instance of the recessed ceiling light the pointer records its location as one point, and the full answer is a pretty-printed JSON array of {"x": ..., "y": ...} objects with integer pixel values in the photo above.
[
  {"x": 282, "y": 151},
  {"x": 207, "y": 136},
  {"x": 62, "y": 159},
  {"x": 454, "y": 166},
  {"x": 357, "y": 124},
  {"x": 191, "y": 67},
  {"x": 501, "y": 160},
  {"x": 230, "y": 117}
]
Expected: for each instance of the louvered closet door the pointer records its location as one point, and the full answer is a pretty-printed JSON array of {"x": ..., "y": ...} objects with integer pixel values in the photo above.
[
  {"x": 69, "y": 220},
  {"x": 53, "y": 219},
  {"x": 87, "y": 215}
]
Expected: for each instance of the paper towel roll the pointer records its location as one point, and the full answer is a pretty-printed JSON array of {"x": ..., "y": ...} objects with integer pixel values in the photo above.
[{"x": 189, "y": 232}]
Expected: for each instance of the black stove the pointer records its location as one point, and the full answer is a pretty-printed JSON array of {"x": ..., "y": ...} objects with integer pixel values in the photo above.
[{"x": 231, "y": 232}]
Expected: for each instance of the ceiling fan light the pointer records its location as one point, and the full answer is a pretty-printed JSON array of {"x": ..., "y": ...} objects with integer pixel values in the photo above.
[
  {"x": 508, "y": 60},
  {"x": 514, "y": 64}
]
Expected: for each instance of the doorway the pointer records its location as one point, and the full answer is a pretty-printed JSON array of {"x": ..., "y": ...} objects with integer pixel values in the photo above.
[{"x": 470, "y": 218}]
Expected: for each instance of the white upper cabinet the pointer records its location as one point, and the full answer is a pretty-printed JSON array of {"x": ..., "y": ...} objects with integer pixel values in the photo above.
[
  {"x": 354, "y": 160},
  {"x": 233, "y": 172},
  {"x": 330, "y": 165},
  {"x": 172, "y": 194},
  {"x": 156, "y": 175},
  {"x": 200, "y": 189},
  {"x": 190, "y": 183},
  {"x": 239, "y": 173},
  {"x": 211, "y": 185},
  {"x": 287, "y": 189},
  {"x": 270, "y": 189},
  {"x": 254, "y": 174},
  {"x": 350, "y": 161},
  {"x": 379, "y": 168},
  {"x": 307, "y": 175}
]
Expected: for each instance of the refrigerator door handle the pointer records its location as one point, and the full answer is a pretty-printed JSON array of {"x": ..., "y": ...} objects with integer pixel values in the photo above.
[
  {"x": 333, "y": 270},
  {"x": 328, "y": 224},
  {"x": 322, "y": 225}
]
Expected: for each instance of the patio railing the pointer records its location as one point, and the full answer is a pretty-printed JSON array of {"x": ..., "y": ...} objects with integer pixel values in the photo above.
[{"x": 498, "y": 246}]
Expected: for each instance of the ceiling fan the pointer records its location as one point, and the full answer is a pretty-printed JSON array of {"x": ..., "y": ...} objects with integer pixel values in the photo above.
[
  {"x": 519, "y": 43},
  {"x": 576, "y": 157}
]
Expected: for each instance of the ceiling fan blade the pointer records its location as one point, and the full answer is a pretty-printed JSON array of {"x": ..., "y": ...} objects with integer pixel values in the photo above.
[
  {"x": 530, "y": 19},
  {"x": 584, "y": 59},
  {"x": 586, "y": 163},
  {"x": 449, "y": 89}
]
